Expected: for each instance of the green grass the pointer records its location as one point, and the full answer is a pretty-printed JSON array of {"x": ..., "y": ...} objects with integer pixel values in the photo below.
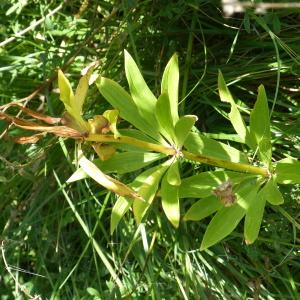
[{"x": 60, "y": 233}]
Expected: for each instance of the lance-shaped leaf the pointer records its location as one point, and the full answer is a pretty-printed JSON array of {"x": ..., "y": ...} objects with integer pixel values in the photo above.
[
  {"x": 183, "y": 128},
  {"x": 254, "y": 218},
  {"x": 140, "y": 92},
  {"x": 271, "y": 192},
  {"x": 200, "y": 144},
  {"x": 227, "y": 218},
  {"x": 260, "y": 126},
  {"x": 72, "y": 106},
  {"x": 169, "y": 86},
  {"x": 173, "y": 174},
  {"x": 148, "y": 190},
  {"x": 202, "y": 185},
  {"x": 203, "y": 208},
  {"x": 124, "y": 103},
  {"x": 106, "y": 181},
  {"x": 234, "y": 116},
  {"x": 120, "y": 163},
  {"x": 170, "y": 200},
  {"x": 123, "y": 204},
  {"x": 164, "y": 117},
  {"x": 288, "y": 171}
]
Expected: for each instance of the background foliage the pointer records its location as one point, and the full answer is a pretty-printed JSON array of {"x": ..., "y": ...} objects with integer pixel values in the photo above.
[{"x": 61, "y": 232}]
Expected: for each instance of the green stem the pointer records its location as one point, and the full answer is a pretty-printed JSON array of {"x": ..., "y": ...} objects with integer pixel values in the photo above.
[
  {"x": 130, "y": 141},
  {"x": 226, "y": 164},
  {"x": 187, "y": 155}
]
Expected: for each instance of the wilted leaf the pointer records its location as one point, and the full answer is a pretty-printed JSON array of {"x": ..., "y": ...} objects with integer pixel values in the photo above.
[
  {"x": 104, "y": 151},
  {"x": 106, "y": 181},
  {"x": 120, "y": 163},
  {"x": 112, "y": 117}
]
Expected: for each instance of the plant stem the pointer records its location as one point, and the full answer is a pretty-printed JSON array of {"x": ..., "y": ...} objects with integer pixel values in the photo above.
[{"x": 240, "y": 167}]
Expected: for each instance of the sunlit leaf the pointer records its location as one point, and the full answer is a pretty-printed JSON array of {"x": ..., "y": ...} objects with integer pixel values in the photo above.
[
  {"x": 147, "y": 191},
  {"x": 169, "y": 86},
  {"x": 173, "y": 174},
  {"x": 200, "y": 144},
  {"x": 164, "y": 117},
  {"x": 123, "y": 204},
  {"x": 203, "y": 208},
  {"x": 140, "y": 92},
  {"x": 254, "y": 218},
  {"x": 260, "y": 126},
  {"x": 288, "y": 171},
  {"x": 170, "y": 201},
  {"x": 227, "y": 218},
  {"x": 118, "y": 211},
  {"x": 202, "y": 185},
  {"x": 124, "y": 103},
  {"x": 234, "y": 115},
  {"x": 183, "y": 127},
  {"x": 66, "y": 92},
  {"x": 120, "y": 163},
  {"x": 271, "y": 192}
]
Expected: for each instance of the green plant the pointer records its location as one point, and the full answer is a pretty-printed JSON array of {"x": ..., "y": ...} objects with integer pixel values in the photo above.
[{"x": 240, "y": 186}]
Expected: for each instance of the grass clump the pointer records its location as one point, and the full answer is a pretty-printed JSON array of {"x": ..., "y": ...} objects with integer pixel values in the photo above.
[{"x": 56, "y": 239}]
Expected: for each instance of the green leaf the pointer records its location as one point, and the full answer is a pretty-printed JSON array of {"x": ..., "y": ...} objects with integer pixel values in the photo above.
[
  {"x": 234, "y": 115},
  {"x": 183, "y": 128},
  {"x": 254, "y": 218},
  {"x": 288, "y": 171},
  {"x": 201, "y": 185},
  {"x": 170, "y": 201},
  {"x": 169, "y": 85},
  {"x": 148, "y": 190},
  {"x": 123, "y": 204},
  {"x": 200, "y": 144},
  {"x": 72, "y": 106},
  {"x": 112, "y": 117},
  {"x": 120, "y": 163},
  {"x": 66, "y": 92},
  {"x": 173, "y": 175},
  {"x": 119, "y": 210},
  {"x": 123, "y": 102},
  {"x": 140, "y": 92},
  {"x": 271, "y": 192},
  {"x": 227, "y": 218},
  {"x": 164, "y": 118},
  {"x": 260, "y": 126},
  {"x": 203, "y": 208}
]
